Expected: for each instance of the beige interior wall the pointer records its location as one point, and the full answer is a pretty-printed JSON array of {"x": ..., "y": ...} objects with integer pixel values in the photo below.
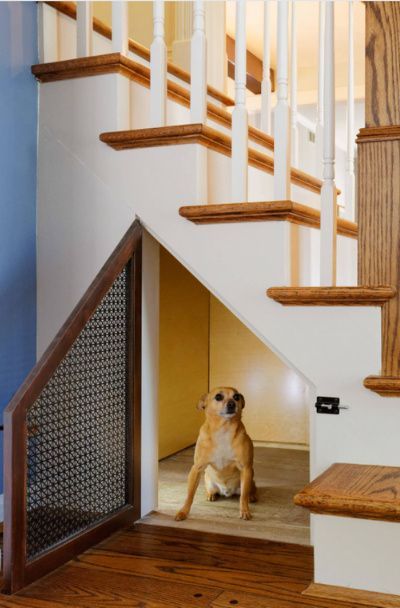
[
  {"x": 140, "y": 26},
  {"x": 202, "y": 345},
  {"x": 184, "y": 340},
  {"x": 276, "y": 397}
]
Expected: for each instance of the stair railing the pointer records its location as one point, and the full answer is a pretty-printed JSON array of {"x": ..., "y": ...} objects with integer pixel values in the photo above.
[{"x": 284, "y": 116}]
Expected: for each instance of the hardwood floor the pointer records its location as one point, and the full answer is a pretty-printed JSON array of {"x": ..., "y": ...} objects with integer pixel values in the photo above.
[
  {"x": 154, "y": 567},
  {"x": 279, "y": 474}
]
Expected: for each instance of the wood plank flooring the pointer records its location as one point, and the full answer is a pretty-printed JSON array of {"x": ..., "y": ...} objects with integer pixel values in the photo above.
[
  {"x": 156, "y": 567},
  {"x": 279, "y": 474}
]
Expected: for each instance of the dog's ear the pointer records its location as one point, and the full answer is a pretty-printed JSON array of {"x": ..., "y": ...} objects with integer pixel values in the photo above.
[
  {"x": 202, "y": 402},
  {"x": 243, "y": 401}
]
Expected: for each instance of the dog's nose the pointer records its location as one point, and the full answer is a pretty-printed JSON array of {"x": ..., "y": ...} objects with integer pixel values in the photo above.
[{"x": 231, "y": 405}]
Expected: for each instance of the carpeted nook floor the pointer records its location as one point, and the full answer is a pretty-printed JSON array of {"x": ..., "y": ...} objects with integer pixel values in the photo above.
[{"x": 279, "y": 474}]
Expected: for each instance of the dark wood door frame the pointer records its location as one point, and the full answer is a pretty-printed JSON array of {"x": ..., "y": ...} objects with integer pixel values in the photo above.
[{"x": 18, "y": 569}]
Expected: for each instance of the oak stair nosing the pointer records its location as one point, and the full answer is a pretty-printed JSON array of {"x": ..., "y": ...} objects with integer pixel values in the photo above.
[
  {"x": 332, "y": 296},
  {"x": 206, "y": 136},
  {"x": 354, "y": 490},
  {"x": 385, "y": 386},
  {"x": 285, "y": 210},
  {"x": 117, "y": 63}
]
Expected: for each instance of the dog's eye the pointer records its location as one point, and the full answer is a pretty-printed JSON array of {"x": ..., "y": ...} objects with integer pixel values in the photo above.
[
  {"x": 219, "y": 397},
  {"x": 236, "y": 397}
]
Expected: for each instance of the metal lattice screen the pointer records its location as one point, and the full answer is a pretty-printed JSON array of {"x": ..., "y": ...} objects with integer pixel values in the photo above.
[{"x": 77, "y": 445}]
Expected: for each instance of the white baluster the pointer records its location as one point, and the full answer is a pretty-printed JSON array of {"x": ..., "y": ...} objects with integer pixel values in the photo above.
[
  {"x": 293, "y": 89},
  {"x": 349, "y": 179},
  {"x": 84, "y": 29},
  {"x": 120, "y": 27},
  {"x": 198, "y": 67},
  {"x": 120, "y": 44},
  {"x": 239, "y": 115},
  {"x": 282, "y": 110},
  {"x": 328, "y": 192},
  {"x": 319, "y": 131},
  {"x": 266, "y": 75},
  {"x": 158, "y": 68}
]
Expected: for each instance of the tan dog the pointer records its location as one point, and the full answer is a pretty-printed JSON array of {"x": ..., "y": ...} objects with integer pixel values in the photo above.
[{"x": 224, "y": 451}]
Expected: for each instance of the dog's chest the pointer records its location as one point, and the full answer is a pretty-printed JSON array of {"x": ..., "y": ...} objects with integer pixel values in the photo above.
[{"x": 222, "y": 454}]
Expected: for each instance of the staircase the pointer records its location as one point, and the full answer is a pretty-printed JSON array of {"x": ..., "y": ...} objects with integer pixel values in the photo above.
[{"x": 108, "y": 167}]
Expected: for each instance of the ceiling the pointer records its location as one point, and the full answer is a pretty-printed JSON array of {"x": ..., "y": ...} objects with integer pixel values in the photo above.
[{"x": 307, "y": 12}]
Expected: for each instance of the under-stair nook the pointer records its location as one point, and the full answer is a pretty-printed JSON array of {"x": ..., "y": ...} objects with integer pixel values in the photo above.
[{"x": 292, "y": 224}]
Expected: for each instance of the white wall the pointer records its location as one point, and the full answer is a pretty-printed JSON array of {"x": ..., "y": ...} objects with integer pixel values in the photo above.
[
  {"x": 150, "y": 362},
  {"x": 89, "y": 194}
]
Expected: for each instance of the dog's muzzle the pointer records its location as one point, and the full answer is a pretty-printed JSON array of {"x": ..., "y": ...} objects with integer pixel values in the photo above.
[{"x": 231, "y": 407}]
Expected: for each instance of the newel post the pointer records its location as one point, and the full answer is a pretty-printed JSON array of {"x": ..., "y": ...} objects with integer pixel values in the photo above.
[{"x": 378, "y": 168}]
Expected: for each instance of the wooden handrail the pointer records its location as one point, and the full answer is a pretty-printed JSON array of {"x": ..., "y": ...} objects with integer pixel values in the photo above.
[{"x": 69, "y": 9}]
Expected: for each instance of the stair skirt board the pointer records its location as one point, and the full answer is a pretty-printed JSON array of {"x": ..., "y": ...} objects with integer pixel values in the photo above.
[{"x": 355, "y": 596}]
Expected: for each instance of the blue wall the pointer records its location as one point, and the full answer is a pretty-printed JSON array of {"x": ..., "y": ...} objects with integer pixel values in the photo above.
[{"x": 18, "y": 139}]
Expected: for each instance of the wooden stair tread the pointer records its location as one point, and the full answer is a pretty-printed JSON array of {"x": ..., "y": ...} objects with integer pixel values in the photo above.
[
  {"x": 386, "y": 386},
  {"x": 269, "y": 211},
  {"x": 332, "y": 296},
  {"x": 198, "y": 133},
  {"x": 116, "y": 63},
  {"x": 354, "y": 490}
]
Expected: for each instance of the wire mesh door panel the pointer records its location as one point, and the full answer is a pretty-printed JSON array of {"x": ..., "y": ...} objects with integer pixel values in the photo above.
[
  {"x": 76, "y": 434},
  {"x": 78, "y": 445}
]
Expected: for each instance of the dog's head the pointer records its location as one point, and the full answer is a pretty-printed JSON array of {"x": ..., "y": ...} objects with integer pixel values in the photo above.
[{"x": 224, "y": 402}]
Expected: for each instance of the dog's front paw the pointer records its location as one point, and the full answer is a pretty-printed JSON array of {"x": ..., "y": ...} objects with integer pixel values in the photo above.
[
  {"x": 212, "y": 497},
  {"x": 181, "y": 515},
  {"x": 245, "y": 514}
]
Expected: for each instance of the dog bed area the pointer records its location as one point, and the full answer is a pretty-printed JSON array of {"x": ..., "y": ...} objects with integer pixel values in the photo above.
[{"x": 279, "y": 474}]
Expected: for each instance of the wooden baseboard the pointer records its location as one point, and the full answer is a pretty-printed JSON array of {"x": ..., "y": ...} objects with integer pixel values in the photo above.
[
  {"x": 355, "y": 596},
  {"x": 302, "y": 447}
]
